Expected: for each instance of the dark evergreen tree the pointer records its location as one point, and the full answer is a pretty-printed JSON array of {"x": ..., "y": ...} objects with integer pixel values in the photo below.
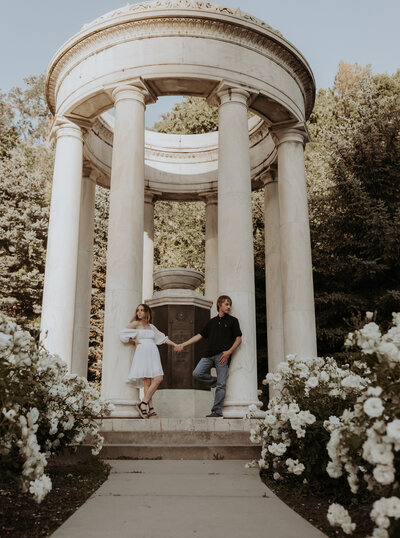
[{"x": 355, "y": 224}]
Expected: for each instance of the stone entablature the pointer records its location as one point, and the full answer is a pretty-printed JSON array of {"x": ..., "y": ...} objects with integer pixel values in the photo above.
[{"x": 155, "y": 45}]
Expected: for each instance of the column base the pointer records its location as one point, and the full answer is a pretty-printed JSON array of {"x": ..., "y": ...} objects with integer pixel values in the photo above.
[
  {"x": 239, "y": 409},
  {"x": 125, "y": 409}
]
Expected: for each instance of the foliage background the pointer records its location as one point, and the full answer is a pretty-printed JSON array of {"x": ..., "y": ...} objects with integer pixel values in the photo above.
[{"x": 352, "y": 166}]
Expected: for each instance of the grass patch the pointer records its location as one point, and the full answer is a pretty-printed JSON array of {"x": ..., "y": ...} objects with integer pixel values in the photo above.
[{"x": 21, "y": 516}]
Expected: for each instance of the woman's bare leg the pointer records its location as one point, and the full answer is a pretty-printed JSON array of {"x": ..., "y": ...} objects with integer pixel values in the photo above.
[
  {"x": 155, "y": 382},
  {"x": 147, "y": 383}
]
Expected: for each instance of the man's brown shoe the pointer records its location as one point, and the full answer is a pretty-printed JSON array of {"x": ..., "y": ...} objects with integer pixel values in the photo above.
[{"x": 214, "y": 415}]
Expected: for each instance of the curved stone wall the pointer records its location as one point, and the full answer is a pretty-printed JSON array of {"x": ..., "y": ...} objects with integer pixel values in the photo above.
[{"x": 179, "y": 167}]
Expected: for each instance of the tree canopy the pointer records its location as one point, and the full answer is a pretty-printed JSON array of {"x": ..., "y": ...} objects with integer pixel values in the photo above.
[
  {"x": 353, "y": 170},
  {"x": 25, "y": 173},
  {"x": 192, "y": 116}
]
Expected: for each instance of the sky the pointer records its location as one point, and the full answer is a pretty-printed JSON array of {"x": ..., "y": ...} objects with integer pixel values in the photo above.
[{"x": 324, "y": 31}]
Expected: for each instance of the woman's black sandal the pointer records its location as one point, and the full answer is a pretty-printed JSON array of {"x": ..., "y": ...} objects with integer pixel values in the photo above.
[
  {"x": 142, "y": 408},
  {"x": 152, "y": 413}
]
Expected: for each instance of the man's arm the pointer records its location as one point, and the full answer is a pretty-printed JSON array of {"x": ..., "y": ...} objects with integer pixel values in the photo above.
[
  {"x": 193, "y": 340},
  {"x": 226, "y": 354}
]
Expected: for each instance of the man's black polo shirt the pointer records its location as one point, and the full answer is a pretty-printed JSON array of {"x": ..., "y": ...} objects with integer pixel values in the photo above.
[{"x": 220, "y": 332}]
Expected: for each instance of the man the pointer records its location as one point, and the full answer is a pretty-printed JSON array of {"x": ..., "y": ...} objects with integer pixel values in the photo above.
[{"x": 223, "y": 336}]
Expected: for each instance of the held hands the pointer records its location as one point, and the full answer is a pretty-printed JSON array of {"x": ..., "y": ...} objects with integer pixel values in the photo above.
[{"x": 178, "y": 348}]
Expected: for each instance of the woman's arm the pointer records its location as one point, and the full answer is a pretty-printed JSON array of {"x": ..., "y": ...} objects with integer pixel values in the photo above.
[
  {"x": 170, "y": 343},
  {"x": 133, "y": 325},
  {"x": 127, "y": 335},
  {"x": 193, "y": 340}
]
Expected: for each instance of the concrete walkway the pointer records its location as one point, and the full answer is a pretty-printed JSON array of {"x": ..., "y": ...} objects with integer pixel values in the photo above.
[{"x": 184, "y": 498}]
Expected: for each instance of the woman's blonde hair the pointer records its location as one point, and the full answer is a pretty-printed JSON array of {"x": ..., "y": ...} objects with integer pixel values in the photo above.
[{"x": 147, "y": 311}]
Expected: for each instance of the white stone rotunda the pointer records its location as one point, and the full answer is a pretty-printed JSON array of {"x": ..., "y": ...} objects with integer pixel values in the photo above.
[{"x": 126, "y": 59}]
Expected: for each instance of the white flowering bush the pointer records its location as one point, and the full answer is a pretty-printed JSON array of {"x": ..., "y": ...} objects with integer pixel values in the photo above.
[
  {"x": 364, "y": 442},
  {"x": 310, "y": 393},
  {"x": 43, "y": 409},
  {"x": 340, "y": 517}
]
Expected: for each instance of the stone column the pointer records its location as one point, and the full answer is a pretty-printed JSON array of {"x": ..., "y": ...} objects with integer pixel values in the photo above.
[
  {"x": 235, "y": 246},
  {"x": 58, "y": 307},
  {"x": 297, "y": 280},
  {"x": 148, "y": 246},
  {"x": 84, "y": 277},
  {"x": 124, "y": 282},
  {"x": 273, "y": 275},
  {"x": 211, "y": 261}
]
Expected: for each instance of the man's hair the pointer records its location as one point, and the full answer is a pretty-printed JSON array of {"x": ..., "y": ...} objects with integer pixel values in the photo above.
[{"x": 221, "y": 299}]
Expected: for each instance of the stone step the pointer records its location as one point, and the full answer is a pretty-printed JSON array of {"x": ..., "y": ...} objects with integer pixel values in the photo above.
[
  {"x": 176, "y": 437},
  {"x": 184, "y": 452},
  {"x": 178, "y": 424}
]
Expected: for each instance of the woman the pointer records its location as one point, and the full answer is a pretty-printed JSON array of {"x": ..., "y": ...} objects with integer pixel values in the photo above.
[{"x": 146, "y": 370}]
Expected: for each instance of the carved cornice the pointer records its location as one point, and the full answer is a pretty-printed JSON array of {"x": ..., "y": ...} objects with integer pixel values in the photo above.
[
  {"x": 190, "y": 156},
  {"x": 258, "y": 37},
  {"x": 103, "y": 131},
  {"x": 178, "y": 4}
]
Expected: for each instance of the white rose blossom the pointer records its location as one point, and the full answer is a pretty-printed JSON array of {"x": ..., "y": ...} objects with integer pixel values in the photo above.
[
  {"x": 294, "y": 466},
  {"x": 278, "y": 449},
  {"x": 373, "y": 407},
  {"x": 312, "y": 382},
  {"x": 334, "y": 470},
  {"x": 379, "y": 532},
  {"x": 393, "y": 430},
  {"x": 338, "y": 516},
  {"x": 374, "y": 391},
  {"x": 384, "y": 474}
]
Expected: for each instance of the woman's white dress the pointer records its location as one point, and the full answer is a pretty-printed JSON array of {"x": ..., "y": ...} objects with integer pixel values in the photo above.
[{"x": 146, "y": 360}]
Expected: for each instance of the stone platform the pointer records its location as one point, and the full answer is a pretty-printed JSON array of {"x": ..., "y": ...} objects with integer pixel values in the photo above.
[{"x": 174, "y": 439}]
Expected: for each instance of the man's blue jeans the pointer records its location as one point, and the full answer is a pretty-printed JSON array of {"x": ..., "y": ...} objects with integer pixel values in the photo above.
[{"x": 202, "y": 374}]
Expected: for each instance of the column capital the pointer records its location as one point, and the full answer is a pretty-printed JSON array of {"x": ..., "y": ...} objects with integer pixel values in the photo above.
[
  {"x": 149, "y": 196},
  {"x": 62, "y": 126},
  {"x": 294, "y": 132},
  {"x": 225, "y": 91},
  {"x": 235, "y": 95},
  {"x": 89, "y": 172},
  {"x": 270, "y": 176},
  {"x": 128, "y": 92},
  {"x": 211, "y": 198}
]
